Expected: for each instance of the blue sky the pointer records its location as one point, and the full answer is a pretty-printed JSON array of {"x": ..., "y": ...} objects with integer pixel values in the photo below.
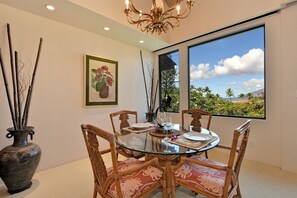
[{"x": 235, "y": 62}]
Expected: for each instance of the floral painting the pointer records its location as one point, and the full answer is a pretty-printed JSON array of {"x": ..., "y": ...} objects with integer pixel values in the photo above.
[{"x": 100, "y": 81}]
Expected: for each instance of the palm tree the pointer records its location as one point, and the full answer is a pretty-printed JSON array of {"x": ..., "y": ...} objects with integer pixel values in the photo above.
[
  {"x": 241, "y": 95},
  {"x": 229, "y": 93},
  {"x": 249, "y": 95}
]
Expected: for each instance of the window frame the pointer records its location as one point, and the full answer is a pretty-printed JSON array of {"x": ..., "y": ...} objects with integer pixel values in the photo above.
[
  {"x": 229, "y": 34},
  {"x": 160, "y": 79}
]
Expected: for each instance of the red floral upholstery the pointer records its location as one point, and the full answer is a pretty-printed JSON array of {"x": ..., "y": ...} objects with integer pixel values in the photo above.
[
  {"x": 201, "y": 177},
  {"x": 133, "y": 185}
]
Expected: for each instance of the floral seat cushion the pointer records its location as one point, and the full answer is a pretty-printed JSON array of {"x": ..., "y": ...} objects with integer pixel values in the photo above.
[
  {"x": 135, "y": 184},
  {"x": 201, "y": 177}
]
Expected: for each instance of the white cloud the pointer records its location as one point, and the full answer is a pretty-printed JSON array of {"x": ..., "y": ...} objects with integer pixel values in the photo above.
[
  {"x": 250, "y": 63},
  {"x": 232, "y": 83},
  {"x": 200, "y": 72},
  {"x": 253, "y": 84}
]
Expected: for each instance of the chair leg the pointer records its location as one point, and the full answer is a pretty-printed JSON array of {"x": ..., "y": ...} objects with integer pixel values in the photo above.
[
  {"x": 173, "y": 188},
  {"x": 206, "y": 155},
  {"x": 238, "y": 192},
  {"x": 95, "y": 192}
]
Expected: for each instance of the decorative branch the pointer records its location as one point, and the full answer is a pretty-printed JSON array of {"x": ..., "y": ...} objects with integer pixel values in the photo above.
[
  {"x": 13, "y": 74},
  {"x": 147, "y": 99},
  {"x": 28, "y": 99},
  {"x": 19, "y": 109},
  {"x": 19, "y": 86},
  {"x": 155, "y": 97},
  {"x": 152, "y": 91},
  {"x": 7, "y": 91}
]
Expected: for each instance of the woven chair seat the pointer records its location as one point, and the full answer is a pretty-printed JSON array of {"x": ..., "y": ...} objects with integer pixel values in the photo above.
[
  {"x": 201, "y": 177},
  {"x": 135, "y": 184}
]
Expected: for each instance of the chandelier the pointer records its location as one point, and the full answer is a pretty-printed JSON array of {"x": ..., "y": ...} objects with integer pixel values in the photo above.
[{"x": 158, "y": 19}]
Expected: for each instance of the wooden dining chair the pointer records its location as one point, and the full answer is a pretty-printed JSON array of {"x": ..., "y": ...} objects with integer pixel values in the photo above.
[
  {"x": 212, "y": 178},
  {"x": 128, "y": 178},
  {"x": 120, "y": 120},
  {"x": 196, "y": 115}
]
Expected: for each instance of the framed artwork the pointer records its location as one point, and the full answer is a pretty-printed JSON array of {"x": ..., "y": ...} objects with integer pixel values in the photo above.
[{"x": 101, "y": 81}]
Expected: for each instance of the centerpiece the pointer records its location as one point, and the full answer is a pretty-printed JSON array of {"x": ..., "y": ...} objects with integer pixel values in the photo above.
[{"x": 19, "y": 161}]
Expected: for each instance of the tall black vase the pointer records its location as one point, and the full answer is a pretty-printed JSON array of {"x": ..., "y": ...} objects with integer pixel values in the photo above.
[{"x": 18, "y": 162}]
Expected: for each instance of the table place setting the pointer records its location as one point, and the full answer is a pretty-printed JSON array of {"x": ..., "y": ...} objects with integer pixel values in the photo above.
[
  {"x": 193, "y": 140},
  {"x": 139, "y": 127}
]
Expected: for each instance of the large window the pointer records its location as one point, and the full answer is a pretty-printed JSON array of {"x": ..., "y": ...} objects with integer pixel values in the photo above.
[
  {"x": 169, "y": 81},
  {"x": 227, "y": 75}
]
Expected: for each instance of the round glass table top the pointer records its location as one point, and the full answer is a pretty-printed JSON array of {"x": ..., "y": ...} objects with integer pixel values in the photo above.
[{"x": 149, "y": 141}]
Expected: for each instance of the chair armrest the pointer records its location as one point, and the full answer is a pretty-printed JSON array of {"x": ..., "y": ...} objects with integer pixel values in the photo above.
[
  {"x": 202, "y": 163},
  {"x": 105, "y": 151},
  {"x": 153, "y": 162},
  {"x": 224, "y": 147}
]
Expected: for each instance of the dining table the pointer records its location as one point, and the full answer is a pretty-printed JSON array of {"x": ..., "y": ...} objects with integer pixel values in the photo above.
[{"x": 168, "y": 146}]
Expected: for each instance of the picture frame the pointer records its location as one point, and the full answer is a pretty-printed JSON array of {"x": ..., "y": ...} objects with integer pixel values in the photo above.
[{"x": 100, "y": 81}]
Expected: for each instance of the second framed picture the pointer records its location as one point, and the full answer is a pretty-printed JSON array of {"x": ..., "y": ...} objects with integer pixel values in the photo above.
[{"x": 101, "y": 81}]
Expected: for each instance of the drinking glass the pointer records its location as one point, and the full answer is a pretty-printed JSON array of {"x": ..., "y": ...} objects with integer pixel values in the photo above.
[{"x": 167, "y": 125}]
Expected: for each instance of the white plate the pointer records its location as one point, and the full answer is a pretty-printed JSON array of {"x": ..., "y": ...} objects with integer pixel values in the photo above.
[
  {"x": 197, "y": 136},
  {"x": 141, "y": 125}
]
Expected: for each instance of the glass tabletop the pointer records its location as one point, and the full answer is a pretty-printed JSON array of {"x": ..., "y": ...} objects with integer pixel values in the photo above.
[{"x": 151, "y": 141}]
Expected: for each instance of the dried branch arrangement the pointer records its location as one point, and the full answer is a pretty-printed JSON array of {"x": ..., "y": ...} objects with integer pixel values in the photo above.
[
  {"x": 19, "y": 115},
  {"x": 150, "y": 99}
]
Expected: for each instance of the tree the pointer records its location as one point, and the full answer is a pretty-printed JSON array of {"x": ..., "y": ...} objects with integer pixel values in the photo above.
[
  {"x": 229, "y": 93},
  {"x": 241, "y": 95},
  {"x": 249, "y": 95},
  {"x": 168, "y": 88}
]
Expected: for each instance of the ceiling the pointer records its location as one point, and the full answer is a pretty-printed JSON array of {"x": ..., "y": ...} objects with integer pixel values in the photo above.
[
  {"x": 171, "y": 3},
  {"x": 72, "y": 14}
]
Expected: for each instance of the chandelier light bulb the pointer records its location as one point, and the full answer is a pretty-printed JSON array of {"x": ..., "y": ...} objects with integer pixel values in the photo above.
[
  {"x": 127, "y": 4},
  {"x": 178, "y": 9}
]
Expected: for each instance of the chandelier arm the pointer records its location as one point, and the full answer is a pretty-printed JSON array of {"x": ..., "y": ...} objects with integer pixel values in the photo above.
[
  {"x": 154, "y": 3},
  {"x": 136, "y": 11},
  {"x": 168, "y": 11},
  {"x": 173, "y": 25},
  {"x": 130, "y": 20},
  {"x": 164, "y": 29},
  {"x": 132, "y": 7},
  {"x": 185, "y": 14}
]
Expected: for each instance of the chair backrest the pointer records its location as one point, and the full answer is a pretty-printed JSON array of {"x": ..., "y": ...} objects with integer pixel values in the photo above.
[
  {"x": 238, "y": 148},
  {"x": 196, "y": 117},
  {"x": 91, "y": 135},
  {"x": 123, "y": 119}
]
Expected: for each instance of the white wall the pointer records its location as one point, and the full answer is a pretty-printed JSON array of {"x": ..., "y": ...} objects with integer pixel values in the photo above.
[
  {"x": 272, "y": 141},
  {"x": 57, "y": 109},
  {"x": 289, "y": 88}
]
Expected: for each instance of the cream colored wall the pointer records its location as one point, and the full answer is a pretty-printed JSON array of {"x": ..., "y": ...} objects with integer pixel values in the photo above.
[
  {"x": 57, "y": 109},
  {"x": 289, "y": 88}
]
